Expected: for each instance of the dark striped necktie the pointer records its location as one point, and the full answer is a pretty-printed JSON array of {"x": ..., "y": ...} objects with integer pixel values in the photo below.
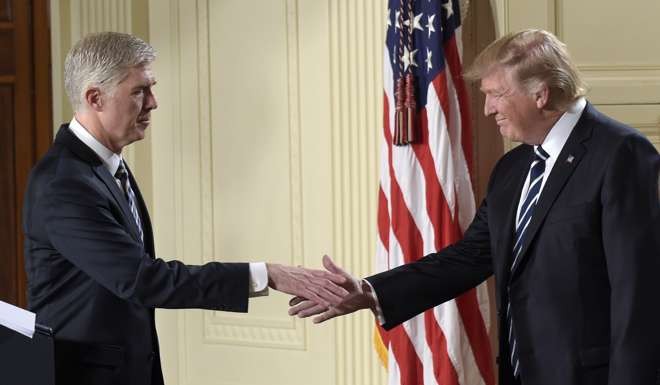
[
  {"x": 122, "y": 175},
  {"x": 523, "y": 219}
]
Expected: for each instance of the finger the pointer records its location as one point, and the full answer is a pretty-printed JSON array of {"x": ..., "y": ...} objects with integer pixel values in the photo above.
[
  {"x": 330, "y": 265},
  {"x": 331, "y": 313},
  {"x": 333, "y": 288},
  {"x": 312, "y": 310},
  {"x": 302, "y": 307},
  {"x": 313, "y": 296},
  {"x": 296, "y": 300},
  {"x": 327, "y": 295},
  {"x": 335, "y": 278}
]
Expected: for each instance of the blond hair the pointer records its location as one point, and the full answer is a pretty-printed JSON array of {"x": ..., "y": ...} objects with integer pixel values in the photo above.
[
  {"x": 102, "y": 60},
  {"x": 535, "y": 57}
]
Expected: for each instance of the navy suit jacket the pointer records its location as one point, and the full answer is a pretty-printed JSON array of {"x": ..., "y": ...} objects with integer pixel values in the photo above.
[
  {"x": 94, "y": 282},
  {"x": 584, "y": 297}
]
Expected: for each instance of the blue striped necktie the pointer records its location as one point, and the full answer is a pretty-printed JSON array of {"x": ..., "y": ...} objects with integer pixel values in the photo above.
[
  {"x": 122, "y": 175},
  {"x": 522, "y": 221}
]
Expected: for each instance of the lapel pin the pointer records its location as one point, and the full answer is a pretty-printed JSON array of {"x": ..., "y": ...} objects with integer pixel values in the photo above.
[{"x": 570, "y": 159}]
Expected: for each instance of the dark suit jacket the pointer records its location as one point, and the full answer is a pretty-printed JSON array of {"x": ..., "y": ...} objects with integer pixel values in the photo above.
[
  {"x": 585, "y": 295},
  {"x": 93, "y": 281}
]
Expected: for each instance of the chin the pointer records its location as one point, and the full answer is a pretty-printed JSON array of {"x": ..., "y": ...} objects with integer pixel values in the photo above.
[{"x": 509, "y": 134}]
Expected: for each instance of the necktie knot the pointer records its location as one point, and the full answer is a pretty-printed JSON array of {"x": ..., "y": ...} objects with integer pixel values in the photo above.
[
  {"x": 541, "y": 154},
  {"x": 121, "y": 173}
]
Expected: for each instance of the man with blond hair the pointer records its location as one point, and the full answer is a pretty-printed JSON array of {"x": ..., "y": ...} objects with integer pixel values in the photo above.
[
  {"x": 93, "y": 275},
  {"x": 570, "y": 227}
]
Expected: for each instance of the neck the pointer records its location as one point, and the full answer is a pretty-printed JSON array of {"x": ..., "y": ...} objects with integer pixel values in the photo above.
[
  {"x": 549, "y": 119},
  {"x": 93, "y": 125}
]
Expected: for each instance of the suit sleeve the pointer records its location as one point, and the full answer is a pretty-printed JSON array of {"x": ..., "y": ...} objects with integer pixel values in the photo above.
[
  {"x": 631, "y": 240},
  {"x": 82, "y": 227},
  {"x": 410, "y": 289}
]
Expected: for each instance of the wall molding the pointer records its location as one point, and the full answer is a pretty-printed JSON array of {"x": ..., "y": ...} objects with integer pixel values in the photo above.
[{"x": 357, "y": 34}]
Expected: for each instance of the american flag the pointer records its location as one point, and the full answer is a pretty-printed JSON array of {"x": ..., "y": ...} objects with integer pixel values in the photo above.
[{"x": 425, "y": 198}]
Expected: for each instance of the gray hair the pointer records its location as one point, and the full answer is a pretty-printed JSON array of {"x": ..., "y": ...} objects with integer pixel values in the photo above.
[
  {"x": 102, "y": 60},
  {"x": 536, "y": 57}
]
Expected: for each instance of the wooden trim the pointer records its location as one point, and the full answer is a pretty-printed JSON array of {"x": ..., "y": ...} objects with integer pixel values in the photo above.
[
  {"x": 7, "y": 79},
  {"x": 32, "y": 113},
  {"x": 23, "y": 128},
  {"x": 6, "y": 25},
  {"x": 43, "y": 97}
]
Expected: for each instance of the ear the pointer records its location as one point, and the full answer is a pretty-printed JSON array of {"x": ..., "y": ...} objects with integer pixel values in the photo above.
[
  {"x": 94, "y": 99},
  {"x": 542, "y": 96}
]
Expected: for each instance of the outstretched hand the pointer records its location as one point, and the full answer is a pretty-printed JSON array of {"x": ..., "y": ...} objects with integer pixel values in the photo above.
[
  {"x": 322, "y": 287},
  {"x": 356, "y": 298}
]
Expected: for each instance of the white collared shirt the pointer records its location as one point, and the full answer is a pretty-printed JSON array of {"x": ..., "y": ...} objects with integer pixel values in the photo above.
[
  {"x": 111, "y": 160},
  {"x": 554, "y": 143}
]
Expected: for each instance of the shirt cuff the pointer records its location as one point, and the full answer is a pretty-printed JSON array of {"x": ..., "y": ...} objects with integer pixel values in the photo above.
[
  {"x": 378, "y": 312},
  {"x": 258, "y": 279}
]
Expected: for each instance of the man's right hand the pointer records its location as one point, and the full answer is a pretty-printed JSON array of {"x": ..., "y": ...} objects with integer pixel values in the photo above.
[{"x": 358, "y": 298}]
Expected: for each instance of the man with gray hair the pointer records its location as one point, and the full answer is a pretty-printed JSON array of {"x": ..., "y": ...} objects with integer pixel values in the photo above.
[
  {"x": 570, "y": 227},
  {"x": 93, "y": 275}
]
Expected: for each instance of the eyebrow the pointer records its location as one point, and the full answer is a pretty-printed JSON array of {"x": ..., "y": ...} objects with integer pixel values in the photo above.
[{"x": 149, "y": 83}]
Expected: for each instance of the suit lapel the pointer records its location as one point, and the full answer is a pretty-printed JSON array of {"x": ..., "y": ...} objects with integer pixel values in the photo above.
[
  {"x": 511, "y": 193},
  {"x": 568, "y": 159},
  {"x": 111, "y": 183},
  {"x": 68, "y": 139}
]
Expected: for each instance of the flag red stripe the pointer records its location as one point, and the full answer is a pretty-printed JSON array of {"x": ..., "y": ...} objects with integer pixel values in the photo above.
[
  {"x": 434, "y": 195},
  {"x": 383, "y": 220},
  {"x": 475, "y": 328},
  {"x": 443, "y": 368},
  {"x": 410, "y": 364}
]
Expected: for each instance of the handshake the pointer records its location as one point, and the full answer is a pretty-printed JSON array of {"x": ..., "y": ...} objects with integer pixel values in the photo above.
[{"x": 325, "y": 293}]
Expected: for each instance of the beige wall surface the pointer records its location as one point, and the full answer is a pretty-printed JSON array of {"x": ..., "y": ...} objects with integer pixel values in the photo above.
[{"x": 265, "y": 148}]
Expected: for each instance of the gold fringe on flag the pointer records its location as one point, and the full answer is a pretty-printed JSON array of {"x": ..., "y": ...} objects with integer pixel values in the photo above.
[{"x": 381, "y": 349}]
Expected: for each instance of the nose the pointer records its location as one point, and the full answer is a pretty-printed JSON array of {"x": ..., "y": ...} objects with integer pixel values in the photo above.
[
  {"x": 489, "y": 108},
  {"x": 151, "y": 103}
]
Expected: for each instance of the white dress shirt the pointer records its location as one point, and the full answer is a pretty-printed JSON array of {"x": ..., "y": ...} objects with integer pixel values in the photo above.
[
  {"x": 554, "y": 143},
  {"x": 111, "y": 160}
]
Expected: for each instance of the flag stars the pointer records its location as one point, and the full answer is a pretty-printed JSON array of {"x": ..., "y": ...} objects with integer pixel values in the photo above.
[
  {"x": 408, "y": 58},
  {"x": 389, "y": 19},
  {"x": 415, "y": 22},
  {"x": 449, "y": 7},
  {"x": 429, "y": 24},
  {"x": 397, "y": 18},
  {"x": 429, "y": 60}
]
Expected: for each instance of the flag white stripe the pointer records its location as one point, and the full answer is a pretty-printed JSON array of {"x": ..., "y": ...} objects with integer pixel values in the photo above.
[
  {"x": 464, "y": 192},
  {"x": 417, "y": 333},
  {"x": 459, "y": 349}
]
